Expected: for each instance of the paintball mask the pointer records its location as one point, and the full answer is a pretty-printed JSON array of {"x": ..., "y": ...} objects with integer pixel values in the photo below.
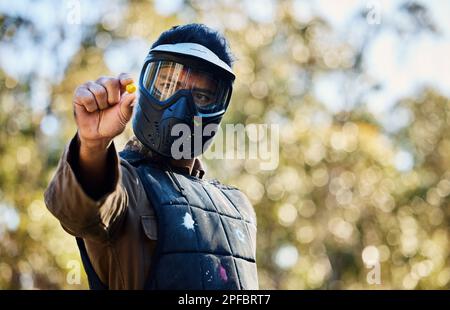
[{"x": 184, "y": 88}]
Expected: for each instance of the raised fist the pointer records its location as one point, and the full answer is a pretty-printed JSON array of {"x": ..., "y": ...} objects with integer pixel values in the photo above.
[{"x": 103, "y": 108}]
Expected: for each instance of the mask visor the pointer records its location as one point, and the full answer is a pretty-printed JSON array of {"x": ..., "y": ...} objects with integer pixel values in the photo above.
[{"x": 163, "y": 80}]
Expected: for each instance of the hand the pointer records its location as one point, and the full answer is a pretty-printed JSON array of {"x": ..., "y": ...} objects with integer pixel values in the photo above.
[{"x": 102, "y": 109}]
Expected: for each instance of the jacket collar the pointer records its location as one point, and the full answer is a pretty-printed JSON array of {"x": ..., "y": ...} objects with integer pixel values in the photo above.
[{"x": 136, "y": 151}]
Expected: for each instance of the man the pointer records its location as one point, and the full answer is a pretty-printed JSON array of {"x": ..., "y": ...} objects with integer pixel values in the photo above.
[{"x": 149, "y": 219}]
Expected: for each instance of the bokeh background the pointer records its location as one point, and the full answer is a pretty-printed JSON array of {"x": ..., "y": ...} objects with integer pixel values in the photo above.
[{"x": 360, "y": 90}]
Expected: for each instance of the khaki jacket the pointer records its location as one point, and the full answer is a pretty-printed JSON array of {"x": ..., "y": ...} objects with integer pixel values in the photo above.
[{"x": 119, "y": 229}]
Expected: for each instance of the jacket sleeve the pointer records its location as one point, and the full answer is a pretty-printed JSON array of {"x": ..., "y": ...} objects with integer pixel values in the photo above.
[{"x": 78, "y": 213}]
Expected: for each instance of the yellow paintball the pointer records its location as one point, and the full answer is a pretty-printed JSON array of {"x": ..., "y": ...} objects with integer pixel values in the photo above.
[{"x": 131, "y": 88}]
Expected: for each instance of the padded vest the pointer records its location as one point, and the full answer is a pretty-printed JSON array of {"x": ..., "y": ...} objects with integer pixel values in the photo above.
[{"x": 206, "y": 232}]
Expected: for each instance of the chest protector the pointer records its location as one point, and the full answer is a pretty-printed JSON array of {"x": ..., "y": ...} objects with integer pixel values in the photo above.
[{"x": 206, "y": 232}]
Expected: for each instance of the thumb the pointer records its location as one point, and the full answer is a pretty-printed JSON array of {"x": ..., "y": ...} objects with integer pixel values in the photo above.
[{"x": 126, "y": 107}]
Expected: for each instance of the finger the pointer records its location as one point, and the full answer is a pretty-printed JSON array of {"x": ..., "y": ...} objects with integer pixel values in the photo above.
[
  {"x": 126, "y": 107},
  {"x": 112, "y": 86},
  {"x": 84, "y": 98},
  {"x": 100, "y": 94},
  {"x": 124, "y": 79}
]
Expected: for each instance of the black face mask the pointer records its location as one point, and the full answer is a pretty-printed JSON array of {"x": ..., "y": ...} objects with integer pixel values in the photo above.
[
  {"x": 177, "y": 117},
  {"x": 175, "y": 131}
]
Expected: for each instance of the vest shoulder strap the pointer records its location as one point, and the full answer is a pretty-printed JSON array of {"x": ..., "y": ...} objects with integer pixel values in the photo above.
[{"x": 94, "y": 281}]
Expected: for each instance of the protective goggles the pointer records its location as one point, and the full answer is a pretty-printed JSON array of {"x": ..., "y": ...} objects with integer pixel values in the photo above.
[{"x": 167, "y": 76}]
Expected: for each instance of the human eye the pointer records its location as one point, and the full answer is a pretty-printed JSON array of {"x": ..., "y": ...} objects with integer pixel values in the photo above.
[
  {"x": 167, "y": 85},
  {"x": 202, "y": 99}
]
